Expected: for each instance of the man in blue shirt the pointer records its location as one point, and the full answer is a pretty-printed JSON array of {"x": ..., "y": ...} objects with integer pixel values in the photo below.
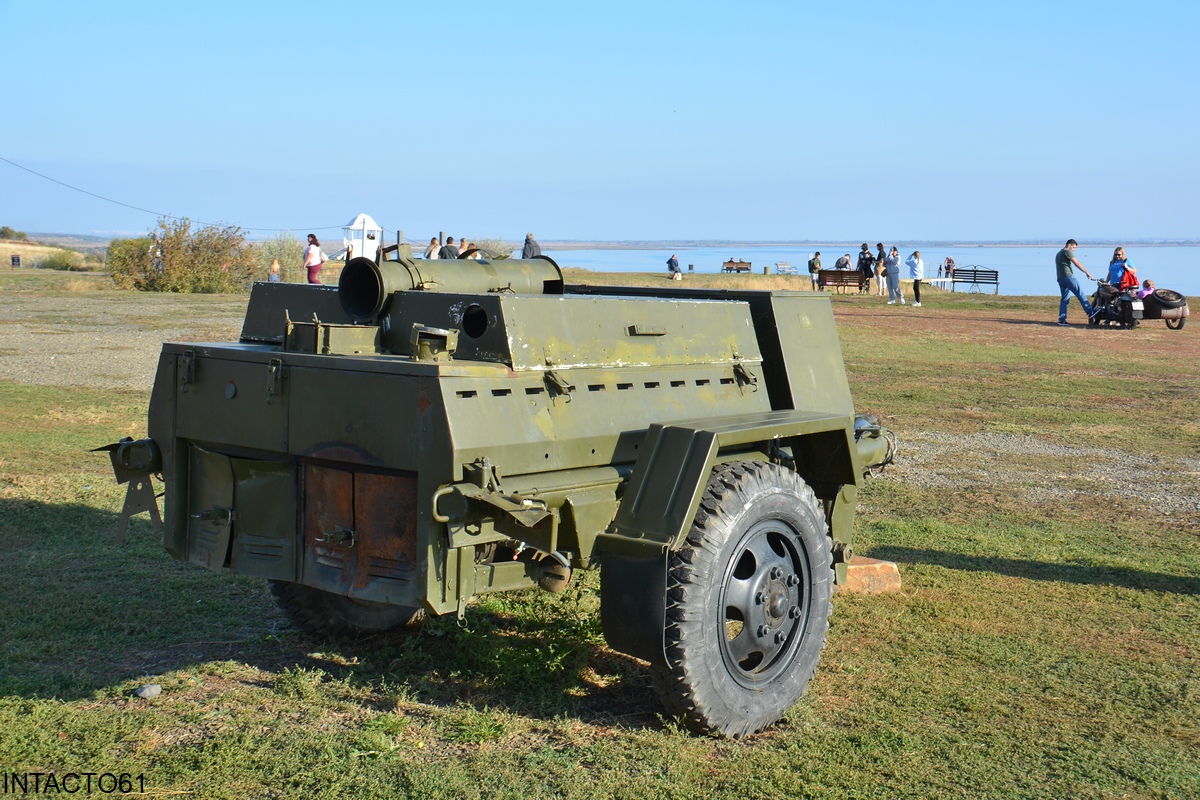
[{"x": 1068, "y": 284}]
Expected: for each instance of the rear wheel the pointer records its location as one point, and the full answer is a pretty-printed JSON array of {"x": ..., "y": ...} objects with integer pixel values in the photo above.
[
  {"x": 1175, "y": 324},
  {"x": 748, "y": 601},
  {"x": 334, "y": 616}
]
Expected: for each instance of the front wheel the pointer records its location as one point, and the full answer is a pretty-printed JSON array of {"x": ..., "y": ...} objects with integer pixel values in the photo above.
[
  {"x": 333, "y": 616},
  {"x": 748, "y": 601}
]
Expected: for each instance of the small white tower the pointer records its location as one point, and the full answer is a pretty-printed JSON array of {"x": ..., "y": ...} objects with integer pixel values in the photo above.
[{"x": 361, "y": 237}]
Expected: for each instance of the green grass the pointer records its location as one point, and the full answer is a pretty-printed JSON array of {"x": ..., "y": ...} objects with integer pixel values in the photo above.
[{"x": 1040, "y": 648}]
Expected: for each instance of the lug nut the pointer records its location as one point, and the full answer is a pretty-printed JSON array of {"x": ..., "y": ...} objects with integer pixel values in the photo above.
[
  {"x": 779, "y": 637},
  {"x": 793, "y": 579},
  {"x": 760, "y": 598},
  {"x": 776, "y": 572},
  {"x": 795, "y": 612},
  {"x": 763, "y": 630}
]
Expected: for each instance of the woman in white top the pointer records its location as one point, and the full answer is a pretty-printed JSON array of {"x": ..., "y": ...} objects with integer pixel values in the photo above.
[
  {"x": 431, "y": 252},
  {"x": 313, "y": 258}
]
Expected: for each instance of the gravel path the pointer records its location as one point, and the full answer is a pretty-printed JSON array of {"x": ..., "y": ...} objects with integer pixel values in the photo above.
[{"x": 105, "y": 339}]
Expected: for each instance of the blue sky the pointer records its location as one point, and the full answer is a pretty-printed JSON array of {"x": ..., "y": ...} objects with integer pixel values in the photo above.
[{"x": 615, "y": 120}]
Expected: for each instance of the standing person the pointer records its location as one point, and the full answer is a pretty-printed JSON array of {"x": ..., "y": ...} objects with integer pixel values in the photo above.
[
  {"x": 866, "y": 265},
  {"x": 1117, "y": 268},
  {"x": 448, "y": 249},
  {"x": 273, "y": 273},
  {"x": 891, "y": 270},
  {"x": 431, "y": 252},
  {"x": 532, "y": 249},
  {"x": 880, "y": 257},
  {"x": 916, "y": 271},
  {"x": 313, "y": 258},
  {"x": 814, "y": 270},
  {"x": 1068, "y": 284}
]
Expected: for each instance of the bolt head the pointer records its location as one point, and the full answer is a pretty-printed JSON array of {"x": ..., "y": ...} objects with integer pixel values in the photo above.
[
  {"x": 776, "y": 572},
  {"x": 763, "y": 630},
  {"x": 760, "y": 598},
  {"x": 795, "y": 612},
  {"x": 779, "y": 637},
  {"x": 793, "y": 579}
]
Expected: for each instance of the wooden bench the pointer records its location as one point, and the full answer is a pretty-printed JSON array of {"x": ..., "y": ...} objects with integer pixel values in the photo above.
[
  {"x": 975, "y": 276},
  {"x": 735, "y": 266},
  {"x": 843, "y": 278},
  {"x": 784, "y": 268}
]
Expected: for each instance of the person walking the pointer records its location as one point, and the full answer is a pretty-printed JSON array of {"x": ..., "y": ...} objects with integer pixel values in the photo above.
[
  {"x": 273, "y": 272},
  {"x": 916, "y": 271},
  {"x": 313, "y": 258},
  {"x": 532, "y": 249},
  {"x": 1068, "y": 284},
  {"x": 431, "y": 252},
  {"x": 814, "y": 271},
  {"x": 891, "y": 271}
]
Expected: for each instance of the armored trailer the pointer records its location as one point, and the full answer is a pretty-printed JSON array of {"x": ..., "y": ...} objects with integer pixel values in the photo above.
[{"x": 431, "y": 431}]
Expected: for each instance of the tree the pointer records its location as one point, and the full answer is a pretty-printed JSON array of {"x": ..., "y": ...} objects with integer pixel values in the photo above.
[
  {"x": 8, "y": 233},
  {"x": 174, "y": 258},
  {"x": 285, "y": 247}
]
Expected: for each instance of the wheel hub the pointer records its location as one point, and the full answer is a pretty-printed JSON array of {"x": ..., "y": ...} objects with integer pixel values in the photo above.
[{"x": 765, "y": 599}]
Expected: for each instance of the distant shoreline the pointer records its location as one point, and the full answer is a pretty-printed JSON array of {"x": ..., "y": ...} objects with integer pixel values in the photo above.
[{"x": 576, "y": 244}]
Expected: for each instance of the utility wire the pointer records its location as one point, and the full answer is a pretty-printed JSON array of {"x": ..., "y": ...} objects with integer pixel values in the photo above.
[{"x": 156, "y": 213}]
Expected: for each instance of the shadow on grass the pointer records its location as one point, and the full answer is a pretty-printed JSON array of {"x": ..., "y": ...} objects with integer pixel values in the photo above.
[
  {"x": 80, "y": 615},
  {"x": 1041, "y": 571}
]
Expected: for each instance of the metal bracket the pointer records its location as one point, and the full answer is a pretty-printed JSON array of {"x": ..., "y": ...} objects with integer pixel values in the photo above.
[
  {"x": 139, "y": 497},
  {"x": 557, "y": 385},
  {"x": 744, "y": 376},
  {"x": 187, "y": 369},
  {"x": 275, "y": 376},
  {"x": 221, "y": 516},
  {"x": 343, "y": 537}
]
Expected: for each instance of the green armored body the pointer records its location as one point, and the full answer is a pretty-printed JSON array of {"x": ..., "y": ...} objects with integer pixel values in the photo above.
[{"x": 428, "y": 432}]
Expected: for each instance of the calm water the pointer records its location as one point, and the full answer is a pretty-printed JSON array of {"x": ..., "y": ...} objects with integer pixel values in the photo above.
[{"x": 1023, "y": 270}]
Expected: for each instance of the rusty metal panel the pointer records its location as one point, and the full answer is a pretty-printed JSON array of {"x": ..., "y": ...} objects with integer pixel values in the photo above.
[
  {"x": 360, "y": 533},
  {"x": 328, "y": 507},
  {"x": 385, "y": 519}
]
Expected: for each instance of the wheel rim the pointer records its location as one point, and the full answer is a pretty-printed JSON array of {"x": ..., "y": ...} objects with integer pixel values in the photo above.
[{"x": 765, "y": 603}]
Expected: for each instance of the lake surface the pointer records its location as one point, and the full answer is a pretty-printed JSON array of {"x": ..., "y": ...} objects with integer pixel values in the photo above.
[{"x": 1023, "y": 270}]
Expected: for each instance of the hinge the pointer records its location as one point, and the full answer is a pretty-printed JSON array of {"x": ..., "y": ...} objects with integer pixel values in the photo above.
[
  {"x": 187, "y": 369},
  {"x": 275, "y": 375}
]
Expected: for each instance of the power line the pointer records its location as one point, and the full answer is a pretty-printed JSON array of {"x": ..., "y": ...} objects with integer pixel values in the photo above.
[{"x": 155, "y": 213}]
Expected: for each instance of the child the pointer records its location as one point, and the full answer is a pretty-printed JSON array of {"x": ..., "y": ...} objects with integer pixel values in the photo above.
[{"x": 1146, "y": 290}]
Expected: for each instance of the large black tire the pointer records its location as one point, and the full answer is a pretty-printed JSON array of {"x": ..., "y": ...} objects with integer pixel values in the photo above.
[
  {"x": 1168, "y": 298},
  {"x": 334, "y": 616},
  {"x": 748, "y": 601}
]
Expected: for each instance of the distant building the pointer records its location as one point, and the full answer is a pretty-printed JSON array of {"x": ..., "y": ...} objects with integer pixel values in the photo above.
[{"x": 361, "y": 237}]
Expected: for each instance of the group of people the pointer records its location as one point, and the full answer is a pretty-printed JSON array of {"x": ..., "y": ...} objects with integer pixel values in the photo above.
[
  {"x": 884, "y": 267},
  {"x": 1121, "y": 276},
  {"x": 436, "y": 250}
]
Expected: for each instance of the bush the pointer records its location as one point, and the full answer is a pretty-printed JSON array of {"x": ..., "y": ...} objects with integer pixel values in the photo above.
[
  {"x": 16, "y": 236},
  {"x": 498, "y": 249},
  {"x": 290, "y": 252},
  {"x": 65, "y": 260},
  {"x": 174, "y": 258}
]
